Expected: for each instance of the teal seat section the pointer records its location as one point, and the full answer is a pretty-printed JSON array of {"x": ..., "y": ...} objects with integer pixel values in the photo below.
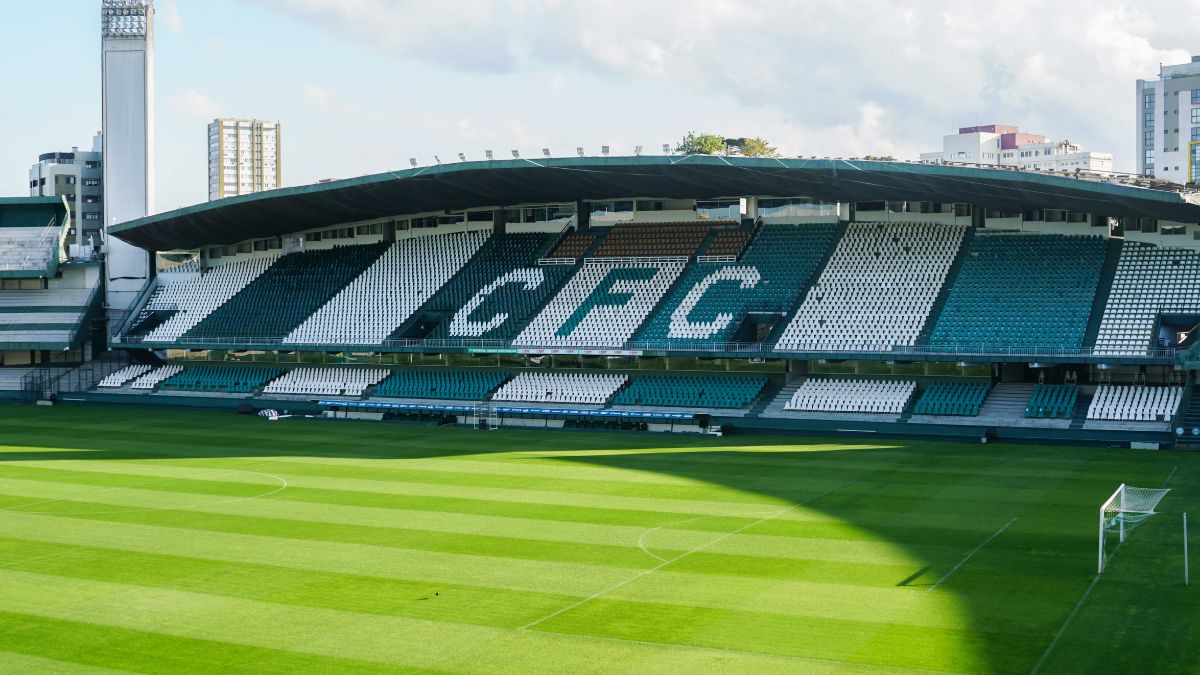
[
  {"x": 952, "y": 398},
  {"x": 1053, "y": 401},
  {"x": 693, "y": 391},
  {"x": 771, "y": 273},
  {"x": 282, "y": 297},
  {"x": 518, "y": 297},
  {"x": 228, "y": 379},
  {"x": 1021, "y": 292},
  {"x": 466, "y": 385}
]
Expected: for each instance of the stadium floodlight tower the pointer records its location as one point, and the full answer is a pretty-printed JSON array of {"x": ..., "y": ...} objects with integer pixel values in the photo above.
[
  {"x": 127, "y": 104},
  {"x": 1127, "y": 508}
]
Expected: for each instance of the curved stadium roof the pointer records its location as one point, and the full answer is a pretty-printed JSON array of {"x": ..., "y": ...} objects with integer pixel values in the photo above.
[{"x": 501, "y": 183}]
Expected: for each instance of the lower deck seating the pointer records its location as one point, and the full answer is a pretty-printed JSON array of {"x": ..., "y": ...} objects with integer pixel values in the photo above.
[
  {"x": 694, "y": 391},
  {"x": 330, "y": 381},
  {"x": 1054, "y": 401},
  {"x": 465, "y": 385},
  {"x": 230, "y": 379},
  {"x": 123, "y": 375},
  {"x": 586, "y": 388},
  {"x": 1137, "y": 403},
  {"x": 860, "y": 396},
  {"x": 151, "y": 379},
  {"x": 952, "y": 398}
]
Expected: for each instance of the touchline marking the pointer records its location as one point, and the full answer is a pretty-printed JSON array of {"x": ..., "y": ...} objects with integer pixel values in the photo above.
[
  {"x": 1168, "y": 478},
  {"x": 970, "y": 555},
  {"x": 681, "y": 556},
  {"x": 1057, "y": 636}
]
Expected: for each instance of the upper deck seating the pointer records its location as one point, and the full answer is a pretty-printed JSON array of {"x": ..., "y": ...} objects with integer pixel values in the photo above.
[
  {"x": 574, "y": 245},
  {"x": 385, "y": 294},
  {"x": 1150, "y": 281},
  {"x": 582, "y": 388},
  {"x": 952, "y": 398},
  {"x": 497, "y": 291},
  {"x": 1137, "y": 403},
  {"x": 27, "y": 248},
  {"x": 1056, "y": 401},
  {"x": 601, "y": 306},
  {"x": 45, "y": 318},
  {"x": 465, "y": 385},
  {"x": 1022, "y": 292},
  {"x": 691, "y": 391},
  {"x": 193, "y": 299},
  {"x": 711, "y": 299},
  {"x": 728, "y": 243},
  {"x": 861, "y": 396},
  {"x": 330, "y": 381},
  {"x": 278, "y": 300},
  {"x": 877, "y": 289},
  {"x": 662, "y": 239},
  {"x": 229, "y": 379}
]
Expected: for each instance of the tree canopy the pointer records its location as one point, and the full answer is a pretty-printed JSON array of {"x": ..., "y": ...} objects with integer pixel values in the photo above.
[{"x": 715, "y": 144}]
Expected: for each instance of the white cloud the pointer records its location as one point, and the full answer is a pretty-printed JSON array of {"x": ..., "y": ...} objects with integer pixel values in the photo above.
[
  {"x": 192, "y": 103},
  {"x": 216, "y": 43},
  {"x": 317, "y": 95},
  {"x": 166, "y": 13}
]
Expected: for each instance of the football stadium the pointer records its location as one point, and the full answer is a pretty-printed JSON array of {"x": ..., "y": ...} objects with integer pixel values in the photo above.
[
  {"x": 719, "y": 409},
  {"x": 616, "y": 414}
]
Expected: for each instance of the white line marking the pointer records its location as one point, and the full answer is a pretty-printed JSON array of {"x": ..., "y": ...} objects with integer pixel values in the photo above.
[
  {"x": 641, "y": 542},
  {"x": 681, "y": 556},
  {"x": 1063, "y": 629},
  {"x": 1168, "y": 478},
  {"x": 970, "y": 555}
]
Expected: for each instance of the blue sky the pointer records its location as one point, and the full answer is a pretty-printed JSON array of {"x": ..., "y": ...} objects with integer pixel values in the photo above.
[{"x": 362, "y": 85}]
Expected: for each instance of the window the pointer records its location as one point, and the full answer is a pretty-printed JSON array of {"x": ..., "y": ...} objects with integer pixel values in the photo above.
[
  {"x": 91, "y": 216},
  {"x": 91, "y": 182},
  {"x": 92, "y": 164},
  {"x": 1196, "y": 97},
  {"x": 1195, "y": 115},
  {"x": 1149, "y": 120},
  {"x": 1196, "y": 133}
]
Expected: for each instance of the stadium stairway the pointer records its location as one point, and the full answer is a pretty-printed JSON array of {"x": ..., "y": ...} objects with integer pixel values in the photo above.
[
  {"x": 1112, "y": 255},
  {"x": 1189, "y": 418},
  {"x": 935, "y": 311},
  {"x": 1082, "y": 404},
  {"x": 769, "y": 394},
  {"x": 1005, "y": 405}
]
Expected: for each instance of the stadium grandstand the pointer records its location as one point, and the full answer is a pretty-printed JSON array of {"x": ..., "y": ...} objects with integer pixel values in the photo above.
[{"x": 684, "y": 293}]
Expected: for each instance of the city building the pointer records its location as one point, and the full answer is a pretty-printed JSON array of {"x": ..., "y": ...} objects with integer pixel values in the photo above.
[
  {"x": 127, "y": 90},
  {"x": 78, "y": 176},
  {"x": 1168, "y": 123},
  {"x": 1007, "y": 145},
  {"x": 243, "y": 157}
]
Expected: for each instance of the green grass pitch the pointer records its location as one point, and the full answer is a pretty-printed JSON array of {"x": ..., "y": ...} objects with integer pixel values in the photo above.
[{"x": 151, "y": 541}]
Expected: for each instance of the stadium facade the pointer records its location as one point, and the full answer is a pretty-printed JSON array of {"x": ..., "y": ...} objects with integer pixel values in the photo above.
[{"x": 682, "y": 293}]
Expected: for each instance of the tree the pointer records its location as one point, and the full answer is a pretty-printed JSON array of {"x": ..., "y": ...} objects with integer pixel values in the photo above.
[
  {"x": 701, "y": 144},
  {"x": 757, "y": 147}
]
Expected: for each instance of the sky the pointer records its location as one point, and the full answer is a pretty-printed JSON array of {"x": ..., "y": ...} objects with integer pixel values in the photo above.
[{"x": 360, "y": 86}]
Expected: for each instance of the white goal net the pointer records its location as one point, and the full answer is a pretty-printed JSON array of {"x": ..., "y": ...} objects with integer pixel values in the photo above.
[{"x": 1127, "y": 508}]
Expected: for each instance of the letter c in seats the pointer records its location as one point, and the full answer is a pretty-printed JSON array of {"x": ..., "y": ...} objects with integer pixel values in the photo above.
[
  {"x": 462, "y": 326},
  {"x": 681, "y": 327}
]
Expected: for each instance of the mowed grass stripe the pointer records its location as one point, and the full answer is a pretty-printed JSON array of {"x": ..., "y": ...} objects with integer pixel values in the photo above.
[
  {"x": 12, "y": 662},
  {"x": 333, "y": 634}
]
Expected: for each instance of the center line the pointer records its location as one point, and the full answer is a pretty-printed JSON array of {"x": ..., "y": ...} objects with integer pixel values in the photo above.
[
  {"x": 681, "y": 556},
  {"x": 962, "y": 562}
]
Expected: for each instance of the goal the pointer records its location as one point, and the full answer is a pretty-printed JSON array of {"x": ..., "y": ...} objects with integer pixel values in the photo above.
[{"x": 1127, "y": 508}]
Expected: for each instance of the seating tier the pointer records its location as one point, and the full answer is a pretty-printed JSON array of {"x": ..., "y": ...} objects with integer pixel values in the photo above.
[
  {"x": 1056, "y": 401},
  {"x": 192, "y": 299},
  {"x": 1021, "y": 291},
  {"x": 466, "y": 385},
  {"x": 696, "y": 391},
  {"x": 952, "y": 398},
  {"x": 1138, "y": 403},
  {"x": 328, "y": 381},
  {"x": 1150, "y": 281},
  {"x": 660, "y": 239},
  {"x": 858, "y": 396},
  {"x": 581, "y": 388},
  {"x": 877, "y": 289},
  {"x": 711, "y": 300},
  {"x": 229, "y": 379}
]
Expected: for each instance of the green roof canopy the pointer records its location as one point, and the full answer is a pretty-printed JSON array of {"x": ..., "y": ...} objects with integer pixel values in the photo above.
[{"x": 501, "y": 183}]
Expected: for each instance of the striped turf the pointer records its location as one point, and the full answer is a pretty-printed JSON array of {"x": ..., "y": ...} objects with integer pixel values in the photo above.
[{"x": 202, "y": 542}]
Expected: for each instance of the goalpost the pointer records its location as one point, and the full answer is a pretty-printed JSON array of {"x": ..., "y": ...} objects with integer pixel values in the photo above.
[{"x": 1127, "y": 508}]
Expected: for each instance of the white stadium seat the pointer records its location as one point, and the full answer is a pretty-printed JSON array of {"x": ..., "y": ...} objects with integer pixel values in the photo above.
[
  {"x": 862, "y": 396},
  {"x": 583, "y": 388},
  {"x": 1139, "y": 403},
  {"x": 877, "y": 289},
  {"x": 1149, "y": 281},
  {"x": 151, "y": 379},
  {"x": 330, "y": 381},
  {"x": 123, "y": 375},
  {"x": 196, "y": 297}
]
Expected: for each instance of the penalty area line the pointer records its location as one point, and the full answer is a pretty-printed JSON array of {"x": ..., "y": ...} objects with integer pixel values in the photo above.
[
  {"x": 1063, "y": 629},
  {"x": 970, "y": 555}
]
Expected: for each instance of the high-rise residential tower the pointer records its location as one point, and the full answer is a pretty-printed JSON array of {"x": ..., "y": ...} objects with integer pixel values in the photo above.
[
  {"x": 127, "y": 90},
  {"x": 1168, "y": 123},
  {"x": 243, "y": 157}
]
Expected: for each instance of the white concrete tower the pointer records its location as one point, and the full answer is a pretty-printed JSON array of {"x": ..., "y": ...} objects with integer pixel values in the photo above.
[{"x": 127, "y": 83}]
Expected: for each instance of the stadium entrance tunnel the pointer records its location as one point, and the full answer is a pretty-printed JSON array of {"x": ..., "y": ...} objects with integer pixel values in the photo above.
[{"x": 844, "y": 555}]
